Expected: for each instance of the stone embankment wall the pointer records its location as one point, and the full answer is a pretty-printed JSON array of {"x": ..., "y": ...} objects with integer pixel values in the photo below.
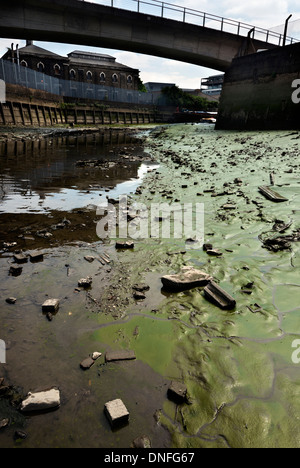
[
  {"x": 28, "y": 107},
  {"x": 257, "y": 92}
]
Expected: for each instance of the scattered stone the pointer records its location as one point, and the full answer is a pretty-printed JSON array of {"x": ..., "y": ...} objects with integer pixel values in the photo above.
[
  {"x": 124, "y": 245},
  {"x": 96, "y": 355},
  {"x": 9, "y": 245},
  {"x": 214, "y": 253},
  {"x": 11, "y": 300},
  {"x": 229, "y": 206},
  {"x": 177, "y": 392},
  {"x": 36, "y": 257},
  {"x": 188, "y": 278},
  {"x": 20, "y": 435},
  {"x": 85, "y": 282},
  {"x": 15, "y": 270},
  {"x": 122, "y": 355},
  {"x": 142, "y": 442},
  {"x": 271, "y": 195},
  {"x": 20, "y": 258},
  {"x": 87, "y": 363},
  {"x": 51, "y": 305},
  {"x": 41, "y": 401},
  {"x": 218, "y": 296},
  {"x": 4, "y": 423},
  {"x": 141, "y": 287},
  {"x": 139, "y": 296},
  {"x": 89, "y": 259},
  {"x": 116, "y": 413},
  {"x": 207, "y": 247}
]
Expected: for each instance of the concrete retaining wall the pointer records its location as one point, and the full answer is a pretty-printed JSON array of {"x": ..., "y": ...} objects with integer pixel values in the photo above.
[{"x": 257, "y": 92}]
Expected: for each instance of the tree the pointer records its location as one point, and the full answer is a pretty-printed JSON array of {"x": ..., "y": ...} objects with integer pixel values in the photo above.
[{"x": 176, "y": 97}]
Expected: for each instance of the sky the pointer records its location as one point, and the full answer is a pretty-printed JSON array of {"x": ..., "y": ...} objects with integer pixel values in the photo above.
[{"x": 268, "y": 14}]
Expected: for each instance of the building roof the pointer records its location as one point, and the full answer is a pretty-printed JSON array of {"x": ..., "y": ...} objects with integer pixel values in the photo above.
[{"x": 35, "y": 50}]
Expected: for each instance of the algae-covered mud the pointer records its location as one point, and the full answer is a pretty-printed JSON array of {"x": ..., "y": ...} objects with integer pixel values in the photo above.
[{"x": 241, "y": 367}]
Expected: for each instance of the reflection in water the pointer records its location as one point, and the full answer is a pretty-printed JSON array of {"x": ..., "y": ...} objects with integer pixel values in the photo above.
[{"x": 41, "y": 175}]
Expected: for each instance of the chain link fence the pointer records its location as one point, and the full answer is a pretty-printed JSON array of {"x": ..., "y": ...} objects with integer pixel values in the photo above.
[{"x": 23, "y": 76}]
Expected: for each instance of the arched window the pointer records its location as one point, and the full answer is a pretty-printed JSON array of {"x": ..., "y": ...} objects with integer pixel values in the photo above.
[
  {"x": 89, "y": 76},
  {"x": 115, "y": 78},
  {"x": 41, "y": 67},
  {"x": 24, "y": 63},
  {"x": 56, "y": 69},
  {"x": 72, "y": 74},
  {"x": 102, "y": 77},
  {"x": 129, "y": 79}
]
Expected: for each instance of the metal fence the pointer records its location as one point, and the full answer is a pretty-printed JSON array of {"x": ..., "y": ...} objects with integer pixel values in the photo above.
[
  {"x": 200, "y": 18},
  {"x": 17, "y": 74}
]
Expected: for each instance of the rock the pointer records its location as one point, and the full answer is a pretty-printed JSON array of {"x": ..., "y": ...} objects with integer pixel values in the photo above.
[
  {"x": 15, "y": 270},
  {"x": 36, "y": 257},
  {"x": 20, "y": 258},
  {"x": 141, "y": 287},
  {"x": 89, "y": 259},
  {"x": 124, "y": 245},
  {"x": 122, "y": 355},
  {"x": 139, "y": 296},
  {"x": 214, "y": 253},
  {"x": 188, "y": 278},
  {"x": 20, "y": 435},
  {"x": 96, "y": 355},
  {"x": 41, "y": 401},
  {"x": 219, "y": 297},
  {"x": 11, "y": 300},
  {"x": 116, "y": 413},
  {"x": 142, "y": 442},
  {"x": 85, "y": 282},
  {"x": 4, "y": 423},
  {"x": 177, "y": 392},
  {"x": 207, "y": 247},
  {"x": 87, "y": 363},
  {"x": 50, "y": 305}
]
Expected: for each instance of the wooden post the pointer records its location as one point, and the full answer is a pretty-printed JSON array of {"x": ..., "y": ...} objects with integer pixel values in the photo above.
[
  {"x": 30, "y": 114},
  {"x": 12, "y": 111},
  {"x": 2, "y": 113},
  {"x": 22, "y": 113}
]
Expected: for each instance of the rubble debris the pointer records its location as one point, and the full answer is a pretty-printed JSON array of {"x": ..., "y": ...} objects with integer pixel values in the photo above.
[
  {"x": 142, "y": 442},
  {"x": 124, "y": 245},
  {"x": 141, "y": 287},
  {"x": 36, "y": 257},
  {"x": 15, "y": 270},
  {"x": 20, "y": 258},
  {"x": 188, "y": 278},
  {"x": 11, "y": 300},
  {"x": 116, "y": 413},
  {"x": 87, "y": 363},
  {"x": 214, "y": 252},
  {"x": 41, "y": 401},
  {"x": 177, "y": 392},
  {"x": 51, "y": 305},
  {"x": 85, "y": 282},
  {"x": 139, "y": 296},
  {"x": 89, "y": 258},
  {"x": 271, "y": 195},
  {"x": 218, "y": 296},
  {"x": 122, "y": 355}
]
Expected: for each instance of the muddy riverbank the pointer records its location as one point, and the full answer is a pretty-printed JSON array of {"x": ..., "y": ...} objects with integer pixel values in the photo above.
[{"x": 237, "y": 365}]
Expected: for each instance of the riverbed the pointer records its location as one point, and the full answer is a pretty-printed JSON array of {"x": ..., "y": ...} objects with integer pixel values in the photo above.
[{"x": 238, "y": 366}]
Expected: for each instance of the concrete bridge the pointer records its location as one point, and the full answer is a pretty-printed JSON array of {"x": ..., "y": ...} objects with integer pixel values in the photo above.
[{"x": 84, "y": 23}]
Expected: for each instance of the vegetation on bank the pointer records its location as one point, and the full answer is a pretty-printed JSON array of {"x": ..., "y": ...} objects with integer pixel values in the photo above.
[{"x": 177, "y": 97}]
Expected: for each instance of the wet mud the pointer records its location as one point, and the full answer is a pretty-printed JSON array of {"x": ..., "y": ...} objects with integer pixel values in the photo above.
[{"x": 237, "y": 365}]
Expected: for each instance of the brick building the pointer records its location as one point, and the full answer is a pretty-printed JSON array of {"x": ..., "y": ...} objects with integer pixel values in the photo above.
[{"x": 86, "y": 67}]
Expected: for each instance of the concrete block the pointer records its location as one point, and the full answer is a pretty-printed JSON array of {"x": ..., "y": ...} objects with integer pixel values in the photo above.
[
  {"x": 177, "y": 392},
  {"x": 122, "y": 355},
  {"x": 116, "y": 413},
  {"x": 51, "y": 305},
  {"x": 41, "y": 401}
]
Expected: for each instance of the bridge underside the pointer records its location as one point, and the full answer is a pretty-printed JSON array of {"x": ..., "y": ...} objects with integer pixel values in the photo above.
[{"x": 78, "y": 22}]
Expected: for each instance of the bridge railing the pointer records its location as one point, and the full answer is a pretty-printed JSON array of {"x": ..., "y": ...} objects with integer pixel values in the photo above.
[{"x": 200, "y": 18}]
